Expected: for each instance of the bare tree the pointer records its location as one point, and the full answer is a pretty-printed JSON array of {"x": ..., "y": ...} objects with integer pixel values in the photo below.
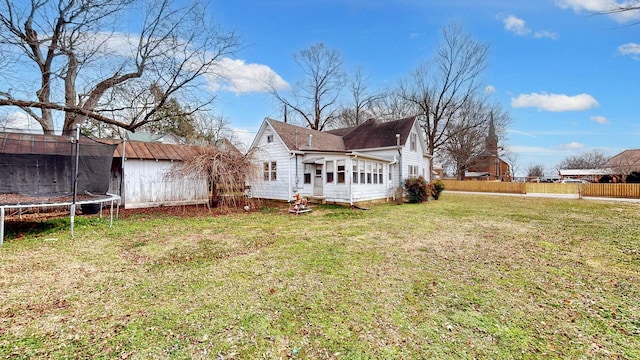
[
  {"x": 362, "y": 101},
  {"x": 466, "y": 135},
  {"x": 624, "y": 7},
  {"x": 392, "y": 106},
  {"x": 535, "y": 170},
  {"x": 86, "y": 69},
  {"x": 439, "y": 89},
  {"x": 514, "y": 164},
  {"x": 213, "y": 129},
  {"x": 594, "y": 159},
  {"x": 315, "y": 97}
]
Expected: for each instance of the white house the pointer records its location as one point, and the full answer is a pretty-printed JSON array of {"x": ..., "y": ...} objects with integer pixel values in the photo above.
[{"x": 349, "y": 165}]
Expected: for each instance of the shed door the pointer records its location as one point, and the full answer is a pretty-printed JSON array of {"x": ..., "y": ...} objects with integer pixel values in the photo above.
[{"x": 317, "y": 181}]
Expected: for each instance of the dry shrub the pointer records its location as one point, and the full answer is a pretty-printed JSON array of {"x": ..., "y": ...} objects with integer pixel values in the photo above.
[{"x": 226, "y": 169}]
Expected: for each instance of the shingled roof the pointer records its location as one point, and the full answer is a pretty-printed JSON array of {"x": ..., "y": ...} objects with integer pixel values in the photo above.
[
  {"x": 374, "y": 134},
  {"x": 369, "y": 135},
  {"x": 297, "y": 137},
  {"x": 629, "y": 159}
]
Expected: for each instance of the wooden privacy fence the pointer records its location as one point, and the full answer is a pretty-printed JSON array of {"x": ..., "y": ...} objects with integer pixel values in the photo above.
[
  {"x": 612, "y": 190},
  {"x": 631, "y": 191},
  {"x": 485, "y": 186}
]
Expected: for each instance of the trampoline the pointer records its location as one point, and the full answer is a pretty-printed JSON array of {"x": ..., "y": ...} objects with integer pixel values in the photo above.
[{"x": 66, "y": 170}]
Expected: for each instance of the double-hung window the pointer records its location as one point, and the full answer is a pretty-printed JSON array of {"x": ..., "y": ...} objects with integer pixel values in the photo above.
[
  {"x": 355, "y": 171},
  {"x": 330, "y": 171},
  {"x": 269, "y": 171},
  {"x": 341, "y": 171}
]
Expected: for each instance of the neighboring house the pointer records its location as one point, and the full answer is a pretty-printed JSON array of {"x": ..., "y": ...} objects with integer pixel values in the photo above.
[
  {"x": 143, "y": 136},
  {"x": 489, "y": 165},
  {"x": 591, "y": 175},
  {"x": 626, "y": 166},
  {"x": 350, "y": 165},
  {"x": 141, "y": 175}
]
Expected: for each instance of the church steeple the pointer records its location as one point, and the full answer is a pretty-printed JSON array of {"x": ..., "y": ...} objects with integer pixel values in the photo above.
[{"x": 491, "y": 141}]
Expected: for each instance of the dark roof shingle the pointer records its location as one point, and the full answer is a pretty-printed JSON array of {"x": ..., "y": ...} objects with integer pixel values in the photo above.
[{"x": 370, "y": 134}]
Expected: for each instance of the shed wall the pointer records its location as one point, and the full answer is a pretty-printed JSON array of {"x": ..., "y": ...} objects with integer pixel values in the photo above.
[{"x": 146, "y": 184}]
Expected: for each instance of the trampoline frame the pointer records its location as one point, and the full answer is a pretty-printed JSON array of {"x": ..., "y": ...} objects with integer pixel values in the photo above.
[{"x": 110, "y": 198}]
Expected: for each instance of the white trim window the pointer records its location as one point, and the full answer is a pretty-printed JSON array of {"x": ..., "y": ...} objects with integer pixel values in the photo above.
[
  {"x": 269, "y": 171},
  {"x": 413, "y": 142},
  {"x": 355, "y": 171},
  {"x": 413, "y": 171},
  {"x": 308, "y": 170},
  {"x": 330, "y": 171},
  {"x": 341, "y": 171}
]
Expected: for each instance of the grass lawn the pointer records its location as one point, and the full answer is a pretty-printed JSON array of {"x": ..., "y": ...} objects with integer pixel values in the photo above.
[{"x": 467, "y": 276}]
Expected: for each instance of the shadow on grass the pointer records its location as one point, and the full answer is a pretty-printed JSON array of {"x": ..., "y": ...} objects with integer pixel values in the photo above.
[{"x": 18, "y": 229}]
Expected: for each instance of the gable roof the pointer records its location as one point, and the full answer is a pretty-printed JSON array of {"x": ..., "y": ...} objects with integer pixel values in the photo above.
[
  {"x": 374, "y": 134},
  {"x": 297, "y": 137},
  {"x": 369, "y": 135},
  {"x": 627, "y": 158}
]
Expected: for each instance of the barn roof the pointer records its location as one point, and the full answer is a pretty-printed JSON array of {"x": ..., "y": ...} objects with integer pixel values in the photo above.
[
  {"x": 156, "y": 151},
  {"x": 41, "y": 144}
]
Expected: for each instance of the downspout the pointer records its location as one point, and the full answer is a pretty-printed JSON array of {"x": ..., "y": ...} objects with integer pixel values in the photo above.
[
  {"x": 394, "y": 162},
  {"x": 289, "y": 190},
  {"x": 351, "y": 181},
  {"x": 399, "y": 191},
  {"x": 124, "y": 155},
  {"x": 297, "y": 176}
]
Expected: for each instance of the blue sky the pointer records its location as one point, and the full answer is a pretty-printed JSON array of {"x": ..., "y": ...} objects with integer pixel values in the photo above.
[{"x": 568, "y": 78}]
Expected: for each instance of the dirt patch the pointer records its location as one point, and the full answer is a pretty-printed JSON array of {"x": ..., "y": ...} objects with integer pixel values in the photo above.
[{"x": 20, "y": 199}]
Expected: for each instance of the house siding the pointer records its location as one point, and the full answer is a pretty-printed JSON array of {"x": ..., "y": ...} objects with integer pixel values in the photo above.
[{"x": 269, "y": 152}]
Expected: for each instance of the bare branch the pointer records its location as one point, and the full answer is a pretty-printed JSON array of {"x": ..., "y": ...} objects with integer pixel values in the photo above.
[{"x": 177, "y": 49}]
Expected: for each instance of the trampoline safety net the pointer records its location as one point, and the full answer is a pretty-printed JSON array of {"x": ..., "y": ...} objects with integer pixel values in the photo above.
[{"x": 44, "y": 165}]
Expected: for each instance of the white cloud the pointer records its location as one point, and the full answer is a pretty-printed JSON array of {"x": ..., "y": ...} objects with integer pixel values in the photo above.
[
  {"x": 532, "y": 149},
  {"x": 519, "y": 27},
  {"x": 245, "y": 136},
  {"x": 489, "y": 89},
  {"x": 555, "y": 102},
  {"x": 601, "y": 6},
  {"x": 600, "y": 120},
  {"x": 237, "y": 75},
  {"x": 516, "y": 25},
  {"x": 631, "y": 49},
  {"x": 20, "y": 122},
  {"x": 240, "y": 77},
  {"x": 546, "y": 34},
  {"x": 571, "y": 146},
  {"x": 523, "y": 133}
]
